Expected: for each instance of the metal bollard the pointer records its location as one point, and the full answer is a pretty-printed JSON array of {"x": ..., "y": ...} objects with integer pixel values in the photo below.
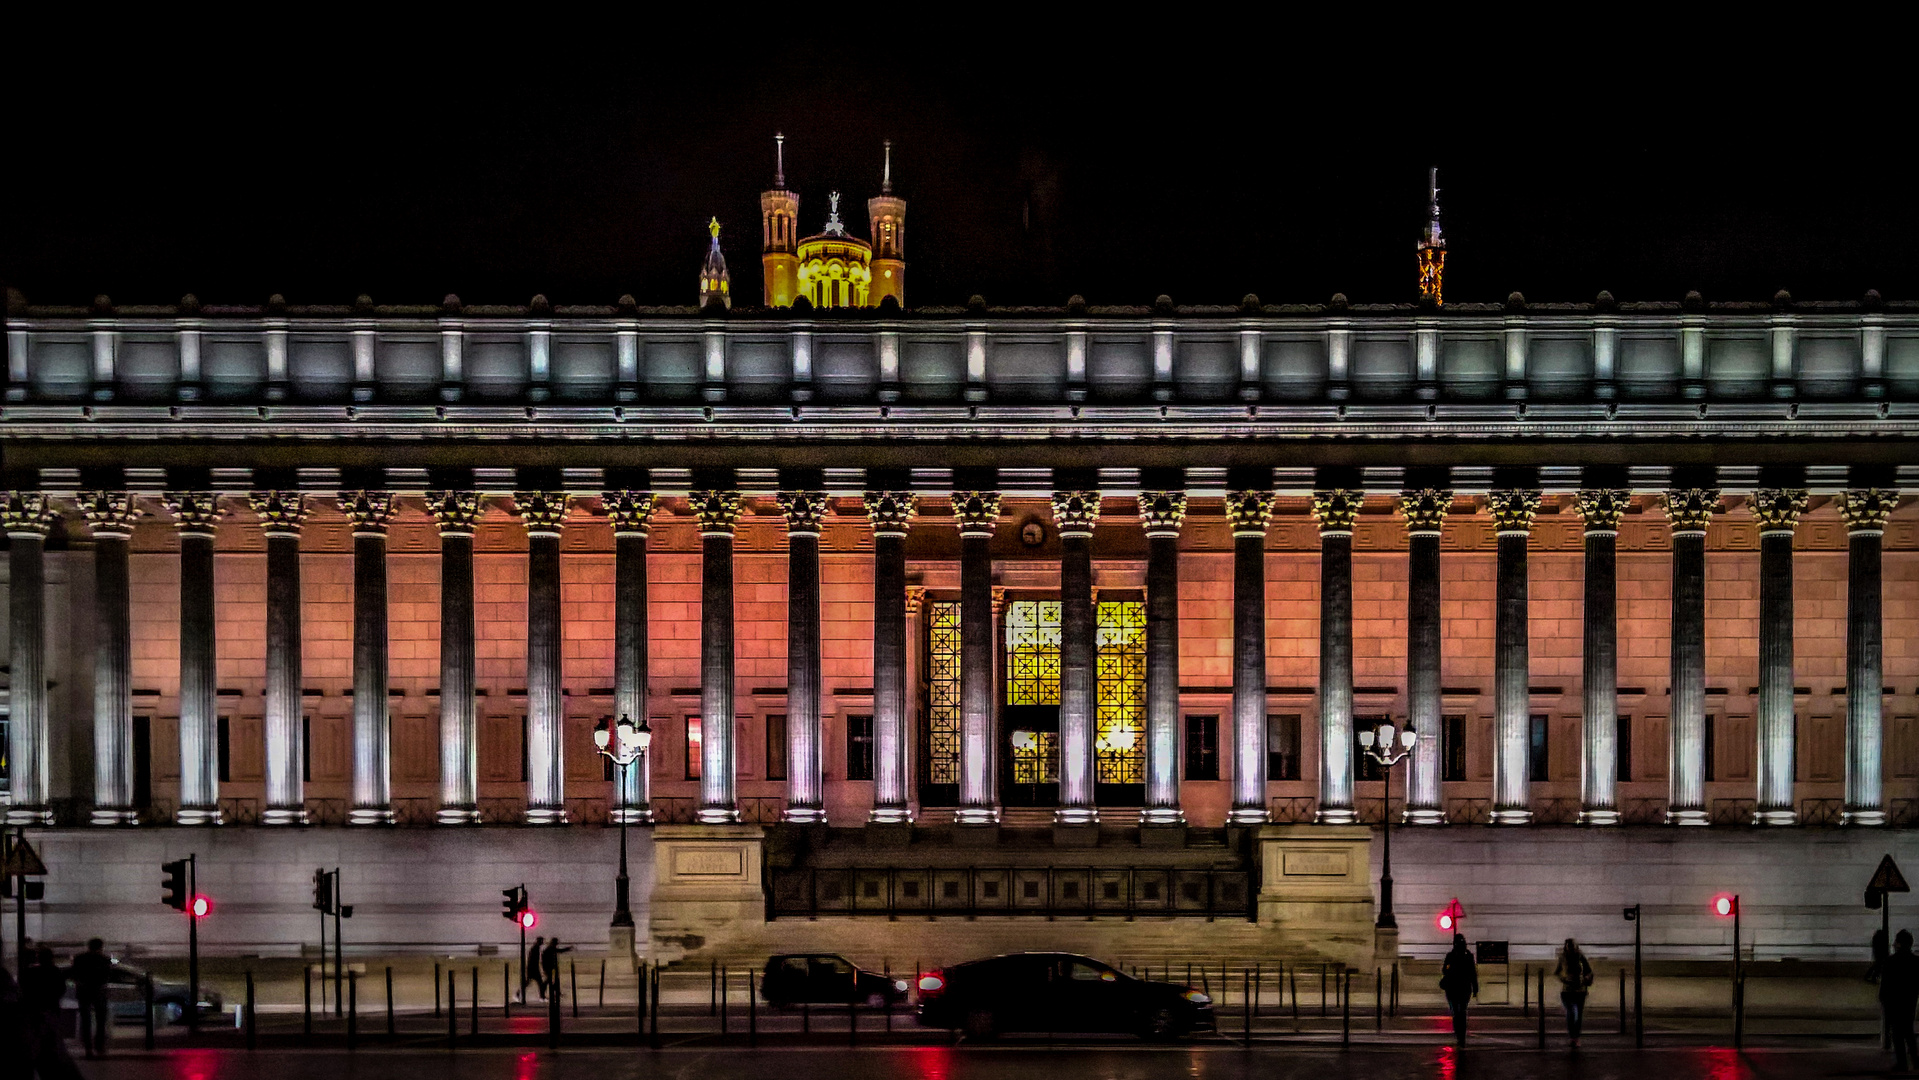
[
  {"x": 352, "y": 1010},
  {"x": 752, "y": 1010},
  {"x": 474, "y": 1012},
  {"x": 1525, "y": 991},
  {"x": 1542, "y": 1008},
  {"x": 1392, "y": 1007},
  {"x": 1293, "y": 976},
  {"x": 853, "y": 1023},
  {"x": 389, "y": 1000},
  {"x": 655, "y": 1016},
  {"x": 148, "y": 984},
  {"x": 602, "y": 982},
  {"x": 1322, "y": 991},
  {"x": 1622, "y": 1001},
  {"x": 1346, "y": 1009},
  {"x": 1379, "y": 1003},
  {"x": 553, "y": 1014},
  {"x": 306, "y": 1018},
  {"x": 573, "y": 985},
  {"x": 506, "y": 989},
  {"x": 1246, "y": 1007},
  {"x": 436, "y": 989},
  {"x": 253, "y": 1033},
  {"x": 639, "y": 997},
  {"x": 452, "y": 1006},
  {"x": 713, "y": 989},
  {"x": 723, "y": 997}
]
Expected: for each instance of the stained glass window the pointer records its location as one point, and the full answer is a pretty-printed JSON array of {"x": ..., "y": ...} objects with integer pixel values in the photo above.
[
  {"x": 1119, "y": 725},
  {"x": 943, "y": 693},
  {"x": 1032, "y": 652},
  {"x": 1035, "y": 757}
]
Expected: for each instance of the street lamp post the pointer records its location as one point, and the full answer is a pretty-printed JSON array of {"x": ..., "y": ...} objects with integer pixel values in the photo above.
[
  {"x": 1389, "y": 748},
  {"x": 623, "y": 745}
]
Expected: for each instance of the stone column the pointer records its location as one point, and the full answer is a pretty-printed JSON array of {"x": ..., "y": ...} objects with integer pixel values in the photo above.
[
  {"x": 1335, "y": 510},
  {"x": 281, "y": 514},
  {"x": 1250, "y": 513},
  {"x": 1513, "y": 511},
  {"x": 1161, "y": 513},
  {"x": 370, "y": 512},
  {"x": 1599, "y": 678},
  {"x": 890, "y": 512},
  {"x": 631, "y": 513},
  {"x": 805, "y": 797},
  {"x": 112, "y": 515},
  {"x": 457, "y": 512},
  {"x": 1777, "y": 511},
  {"x": 1425, "y": 512},
  {"x": 978, "y": 514},
  {"x": 1075, "y": 513},
  {"x": 719, "y": 513},
  {"x": 544, "y": 514},
  {"x": 28, "y": 516},
  {"x": 196, "y": 515},
  {"x": 1865, "y": 511},
  {"x": 1689, "y": 510}
]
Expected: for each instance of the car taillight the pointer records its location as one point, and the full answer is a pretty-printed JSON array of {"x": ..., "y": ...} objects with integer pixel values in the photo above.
[{"x": 931, "y": 984}]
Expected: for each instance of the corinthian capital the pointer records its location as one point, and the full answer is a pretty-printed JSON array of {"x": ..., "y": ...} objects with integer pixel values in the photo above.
[
  {"x": 1777, "y": 509},
  {"x": 457, "y": 512},
  {"x": 27, "y": 514},
  {"x": 1075, "y": 512},
  {"x": 978, "y": 512},
  {"x": 804, "y": 511},
  {"x": 1513, "y": 510},
  {"x": 1161, "y": 513},
  {"x": 110, "y": 514},
  {"x": 891, "y": 511},
  {"x": 542, "y": 512},
  {"x": 369, "y": 511},
  {"x": 631, "y": 511},
  {"x": 1690, "y": 510},
  {"x": 718, "y": 511},
  {"x": 1250, "y": 511},
  {"x": 1336, "y": 509},
  {"x": 1425, "y": 510},
  {"x": 195, "y": 513},
  {"x": 281, "y": 513},
  {"x": 1602, "y": 509},
  {"x": 1866, "y": 509}
]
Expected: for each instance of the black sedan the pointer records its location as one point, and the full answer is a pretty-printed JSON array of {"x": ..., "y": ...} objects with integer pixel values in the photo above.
[
  {"x": 827, "y": 979},
  {"x": 126, "y": 996},
  {"x": 1061, "y": 993}
]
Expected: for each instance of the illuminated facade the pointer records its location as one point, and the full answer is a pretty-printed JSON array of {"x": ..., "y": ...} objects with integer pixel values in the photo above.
[{"x": 832, "y": 269}]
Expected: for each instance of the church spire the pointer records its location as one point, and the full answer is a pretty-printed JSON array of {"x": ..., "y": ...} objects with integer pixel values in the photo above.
[
  {"x": 886, "y": 174},
  {"x": 779, "y": 161},
  {"x": 714, "y": 283},
  {"x": 1432, "y": 247}
]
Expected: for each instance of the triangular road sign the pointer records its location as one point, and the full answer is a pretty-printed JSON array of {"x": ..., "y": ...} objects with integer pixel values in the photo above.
[
  {"x": 1888, "y": 878},
  {"x": 23, "y": 861}
]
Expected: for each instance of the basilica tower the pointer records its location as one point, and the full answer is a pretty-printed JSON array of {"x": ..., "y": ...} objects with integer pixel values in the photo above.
[
  {"x": 714, "y": 283},
  {"x": 1432, "y": 248},
  {"x": 779, "y": 234},
  {"x": 887, "y": 216}
]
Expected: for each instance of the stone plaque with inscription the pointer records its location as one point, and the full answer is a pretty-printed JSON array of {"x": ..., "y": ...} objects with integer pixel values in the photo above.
[{"x": 1315, "y": 863}]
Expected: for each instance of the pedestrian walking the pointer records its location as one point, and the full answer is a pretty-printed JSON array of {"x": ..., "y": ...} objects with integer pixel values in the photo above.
[
  {"x": 1898, "y": 994},
  {"x": 42, "y": 985},
  {"x": 37, "y": 1043},
  {"x": 530, "y": 968},
  {"x": 92, "y": 973},
  {"x": 1575, "y": 977},
  {"x": 1459, "y": 979},
  {"x": 550, "y": 965}
]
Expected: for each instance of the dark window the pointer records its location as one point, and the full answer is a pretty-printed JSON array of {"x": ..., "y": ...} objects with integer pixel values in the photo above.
[
  {"x": 142, "y": 762},
  {"x": 1623, "y": 749},
  {"x": 693, "y": 748},
  {"x": 525, "y": 733},
  {"x": 1452, "y": 748},
  {"x": 859, "y": 748},
  {"x": 1365, "y": 766},
  {"x": 1202, "y": 748},
  {"x": 1536, "y": 756},
  {"x": 1712, "y": 765},
  {"x": 306, "y": 749},
  {"x": 776, "y": 746},
  {"x": 6, "y": 734},
  {"x": 225, "y": 750},
  {"x": 1282, "y": 746}
]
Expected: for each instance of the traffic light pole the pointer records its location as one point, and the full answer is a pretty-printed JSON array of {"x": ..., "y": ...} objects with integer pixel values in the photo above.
[
  {"x": 193, "y": 945},
  {"x": 520, "y": 922},
  {"x": 339, "y": 954},
  {"x": 1638, "y": 987}
]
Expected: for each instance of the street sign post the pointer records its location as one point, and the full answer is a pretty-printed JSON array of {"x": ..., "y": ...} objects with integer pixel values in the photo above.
[{"x": 1885, "y": 880}]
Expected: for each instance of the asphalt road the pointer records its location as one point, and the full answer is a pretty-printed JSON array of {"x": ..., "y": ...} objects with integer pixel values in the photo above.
[{"x": 1003, "y": 1062}]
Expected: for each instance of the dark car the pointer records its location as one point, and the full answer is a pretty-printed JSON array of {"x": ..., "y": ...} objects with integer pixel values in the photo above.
[
  {"x": 827, "y": 979},
  {"x": 1058, "y": 992},
  {"x": 126, "y": 997}
]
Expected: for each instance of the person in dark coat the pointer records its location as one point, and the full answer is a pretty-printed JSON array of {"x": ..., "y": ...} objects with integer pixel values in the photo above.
[
  {"x": 1898, "y": 994},
  {"x": 550, "y": 965},
  {"x": 92, "y": 973},
  {"x": 530, "y": 968},
  {"x": 1459, "y": 978},
  {"x": 31, "y": 1028},
  {"x": 1575, "y": 976}
]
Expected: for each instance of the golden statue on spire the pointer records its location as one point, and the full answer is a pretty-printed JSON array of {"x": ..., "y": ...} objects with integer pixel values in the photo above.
[{"x": 1432, "y": 247}]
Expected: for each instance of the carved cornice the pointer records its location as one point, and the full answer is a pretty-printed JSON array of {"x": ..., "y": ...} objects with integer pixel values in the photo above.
[
  {"x": 718, "y": 511},
  {"x": 630, "y": 511},
  {"x": 1075, "y": 512},
  {"x": 1866, "y": 509},
  {"x": 111, "y": 514},
  {"x": 1690, "y": 510},
  {"x": 1249, "y": 511},
  {"x": 370, "y": 512},
  {"x": 1602, "y": 509},
  {"x": 999, "y": 599},
  {"x": 915, "y": 597},
  {"x": 1336, "y": 509},
  {"x": 195, "y": 513},
  {"x": 977, "y": 511},
  {"x": 1425, "y": 510},
  {"x": 456, "y": 512},
  {"x": 542, "y": 512},
  {"x": 804, "y": 510},
  {"x": 281, "y": 513},
  {"x": 1513, "y": 510},
  {"x": 891, "y": 511},
  {"x": 1777, "y": 509},
  {"x": 27, "y": 514},
  {"x": 1161, "y": 513}
]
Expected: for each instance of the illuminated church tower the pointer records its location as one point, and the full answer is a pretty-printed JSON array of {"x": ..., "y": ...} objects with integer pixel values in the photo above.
[
  {"x": 779, "y": 234},
  {"x": 1432, "y": 248},
  {"x": 714, "y": 284},
  {"x": 887, "y": 216}
]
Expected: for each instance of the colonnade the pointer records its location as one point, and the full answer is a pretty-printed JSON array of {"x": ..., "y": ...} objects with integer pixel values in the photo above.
[{"x": 28, "y": 516}]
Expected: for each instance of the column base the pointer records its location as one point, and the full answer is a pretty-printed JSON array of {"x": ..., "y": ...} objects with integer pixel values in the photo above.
[
  {"x": 546, "y": 815},
  {"x": 377, "y": 815},
  {"x": 197, "y": 815},
  {"x": 1775, "y": 817},
  {"x": 1162, "y": 815},
  {"x": 1599, "y": 817},
  {"x": 886, "y": 815},
  {"x": 1075, "y": 815},
  {"x": 631, "y": 815},
  {"x": 457, "y": 815},
  {"x": 804, "y": 815},
  {"x": 106, "y": 815},
  {"x": 284, "y": 815},
  {"x": 621, "y": 941},
  {"x": 1248, "y": 815},
  {"x": 1511, "y": 816},
  {"x": 29, "y": 815},
  {"x": 976, "y": 815},
  {"x": 1864, "y": 818},
  {"x": 718, "y": 815},
  {"x": 1687, "y": 817},
  {"x": 1423, "y": 816},
  {"x": 1328, "y": 815}
]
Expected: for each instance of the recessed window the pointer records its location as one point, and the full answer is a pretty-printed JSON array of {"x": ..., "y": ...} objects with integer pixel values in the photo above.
[
  {"x": 1622, "y": 749},
  {"x": 1537, "y": 756},
  {"x": 859, "y": 748},
  {"x": 1452, "y": 748},
  {"x": 225, "y": 750},
  {"x": 693, "y": 748},
  {"x": 1282, "y": 746},
  {"x": 1202, "y": 747},
  {"x": 776, "y": 746},
  {"x": 1712, "y": 764}
]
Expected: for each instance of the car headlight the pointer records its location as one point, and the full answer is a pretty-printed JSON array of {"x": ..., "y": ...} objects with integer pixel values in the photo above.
[
  {"x": 899, "y": 985},
  {"x": 1197, "y": 998}
]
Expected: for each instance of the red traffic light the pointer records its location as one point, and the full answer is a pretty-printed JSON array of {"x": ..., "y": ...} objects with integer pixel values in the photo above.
[
  {"x": 1725, "y": 905},
  {"x": 201, "y": 907},
  {"x": 1448, "y": 919},
  {"x": 528, "y": 920}
]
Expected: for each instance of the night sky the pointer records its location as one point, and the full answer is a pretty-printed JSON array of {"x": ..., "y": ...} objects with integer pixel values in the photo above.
[{"x": 582, "y": 160}]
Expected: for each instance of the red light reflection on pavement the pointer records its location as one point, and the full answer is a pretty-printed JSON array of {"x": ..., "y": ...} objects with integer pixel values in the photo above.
[{"x": 929, "y": 1062}]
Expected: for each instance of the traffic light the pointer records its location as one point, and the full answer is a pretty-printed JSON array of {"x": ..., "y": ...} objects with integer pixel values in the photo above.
[
  {"x": 1725, "y": 905},
  {"x": 528, "y": 919},
  {"x": 202, "y": 906},
  {"x": 1448, "y": 920},
  {"x": 514, "y": 903},
  {"x": 323, "y": 892},
  {"x": 174, "y": 888}
]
